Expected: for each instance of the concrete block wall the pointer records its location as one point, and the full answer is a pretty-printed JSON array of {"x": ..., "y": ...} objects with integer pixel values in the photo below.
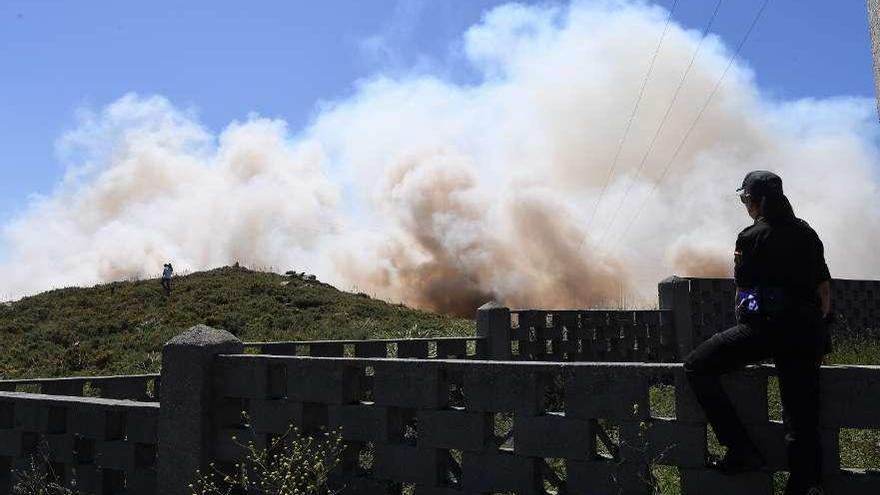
[
  {"x": 438, "y": 426},
  {"x": 857, "y": 304},
  {"x": 424, "y": 348},
  {"x": 703, "y": 306},
  {"x": 133, "y": 387},
  {"x": 429, "y": 425},
  {"x": 96, "y": 446},
  {"x": 577, "y": 335},
  {"x": 592, "y": 335}
]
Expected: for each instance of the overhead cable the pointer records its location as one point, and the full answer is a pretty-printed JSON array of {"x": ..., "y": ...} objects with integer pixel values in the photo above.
[
  {"x": 699, "y": 115},
  {"x": 629, "y": 122},
  {"x": 663, "y": 121}
]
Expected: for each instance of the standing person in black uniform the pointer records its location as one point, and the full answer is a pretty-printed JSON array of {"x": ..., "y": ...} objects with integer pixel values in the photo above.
[{"x": 782, "y": 305}]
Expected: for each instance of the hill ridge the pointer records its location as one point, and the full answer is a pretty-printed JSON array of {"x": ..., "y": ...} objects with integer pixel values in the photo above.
[{"x": 119, "y": 327}]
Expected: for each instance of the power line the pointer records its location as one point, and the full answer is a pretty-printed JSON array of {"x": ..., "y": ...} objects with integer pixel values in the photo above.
[
  {"x": 663, "y": 121},
  {"x": 629, "y": 122},
  {"x": 687, "y": 135}
]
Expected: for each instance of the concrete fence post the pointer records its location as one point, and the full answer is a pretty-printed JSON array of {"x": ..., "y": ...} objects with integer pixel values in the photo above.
[
  {"x": 675, "y": 295},
  {"x": 493, "y": 324},
  {"x": 185, "y": 411}
]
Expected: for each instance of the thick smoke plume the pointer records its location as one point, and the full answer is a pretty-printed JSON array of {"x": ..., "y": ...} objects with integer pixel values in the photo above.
[{"x": 444, "y": 195}]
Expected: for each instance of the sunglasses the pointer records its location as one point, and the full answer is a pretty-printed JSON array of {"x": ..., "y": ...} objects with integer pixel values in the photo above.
[{"x": 744, "y": 198}]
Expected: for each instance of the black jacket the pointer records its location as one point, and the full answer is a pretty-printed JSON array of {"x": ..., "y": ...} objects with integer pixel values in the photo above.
[{"x": 784, "y": 260}]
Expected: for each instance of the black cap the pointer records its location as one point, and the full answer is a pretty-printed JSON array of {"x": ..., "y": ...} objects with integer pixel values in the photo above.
[{"x": 761, "y": 183}]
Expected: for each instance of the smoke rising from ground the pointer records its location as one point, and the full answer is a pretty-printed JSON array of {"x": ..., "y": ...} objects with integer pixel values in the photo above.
[{"x": 444, "y": 195}]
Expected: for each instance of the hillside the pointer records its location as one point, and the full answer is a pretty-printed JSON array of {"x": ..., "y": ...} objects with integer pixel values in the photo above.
[{"x": 120, "y": 327}]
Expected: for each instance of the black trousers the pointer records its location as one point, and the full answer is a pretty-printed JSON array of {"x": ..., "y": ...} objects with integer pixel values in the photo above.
[
  {"x": 798, "y": 371},
  {"x": 166, "y": 284}
]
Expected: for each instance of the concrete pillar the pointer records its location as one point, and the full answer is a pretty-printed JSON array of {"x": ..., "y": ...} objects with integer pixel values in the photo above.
[
  {"x": 675, "y": 295},
  {"x": 185, "y": 411},
  {"x": 493, "y": 324},
  {"x": 874, "y": 29}
]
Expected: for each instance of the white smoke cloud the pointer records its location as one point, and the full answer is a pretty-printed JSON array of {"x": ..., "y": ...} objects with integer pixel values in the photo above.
[
  {"x": 444, "y": 195},
  {"x": 165, "y": 189}
]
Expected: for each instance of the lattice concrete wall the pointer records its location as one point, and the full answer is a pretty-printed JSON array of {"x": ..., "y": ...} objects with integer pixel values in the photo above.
[
  {"x": 703, "y": 306},
  {"x": 99, "y": 446},
  {"x": 592, "y": 335},
  {"x": 424, "y": 348},
  {"x": 133, "y": 387},
  {"x": 488, "y": 427},
  {"x": 857, "y": 302}
]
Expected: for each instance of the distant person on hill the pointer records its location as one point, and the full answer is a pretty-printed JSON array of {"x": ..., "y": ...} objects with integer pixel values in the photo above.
[
  {"x": 167, "y": 273},
  {"x": 783, "y": 311}
]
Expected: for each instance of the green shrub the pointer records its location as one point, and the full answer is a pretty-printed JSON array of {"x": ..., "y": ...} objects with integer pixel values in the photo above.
[
  {"x": 293, "y": 463},
  {"x": 39, "y": 477}
]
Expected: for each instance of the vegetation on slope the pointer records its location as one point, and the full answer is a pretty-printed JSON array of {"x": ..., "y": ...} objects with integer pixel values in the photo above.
[{"x": 120, "y": 327}]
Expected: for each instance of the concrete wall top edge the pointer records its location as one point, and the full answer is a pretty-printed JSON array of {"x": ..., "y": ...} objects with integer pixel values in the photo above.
[
  {"x": 533, "y": 365},
  {"x": 72, "y": 400}
]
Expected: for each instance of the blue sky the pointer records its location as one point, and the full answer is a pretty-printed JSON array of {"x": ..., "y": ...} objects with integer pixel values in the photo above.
[{"x": 226, "y": 59}]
